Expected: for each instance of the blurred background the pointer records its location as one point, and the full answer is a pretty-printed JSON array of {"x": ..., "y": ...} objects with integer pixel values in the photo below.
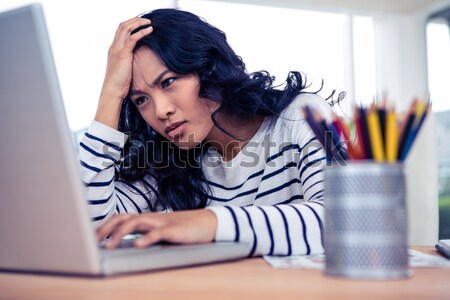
[{"x": 366, "y": 48}]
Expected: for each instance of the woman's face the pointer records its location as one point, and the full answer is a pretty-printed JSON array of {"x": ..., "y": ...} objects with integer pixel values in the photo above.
[{"x": 169, "y": 102}]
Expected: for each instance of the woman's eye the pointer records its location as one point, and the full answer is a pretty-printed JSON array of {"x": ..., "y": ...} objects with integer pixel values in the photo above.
[
  {"x": 166, "y": 83},
  {"x": 139, "y": 101}
]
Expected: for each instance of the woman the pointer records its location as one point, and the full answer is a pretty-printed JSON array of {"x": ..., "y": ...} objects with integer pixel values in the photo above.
[{"x": 181, "y": 128}]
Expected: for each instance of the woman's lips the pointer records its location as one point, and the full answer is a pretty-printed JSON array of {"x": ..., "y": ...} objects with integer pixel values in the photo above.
[{"x": 177, "y": 131}]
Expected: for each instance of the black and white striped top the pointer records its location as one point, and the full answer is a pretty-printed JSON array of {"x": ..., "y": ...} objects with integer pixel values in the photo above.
[{"x": 270, "y": 194}]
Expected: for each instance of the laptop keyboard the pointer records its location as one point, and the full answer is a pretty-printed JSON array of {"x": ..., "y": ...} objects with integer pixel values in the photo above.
[{"x": 126, "y": 242}]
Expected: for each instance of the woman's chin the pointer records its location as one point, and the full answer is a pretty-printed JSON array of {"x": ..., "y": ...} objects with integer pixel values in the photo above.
[{"x": 186, "y": 145}]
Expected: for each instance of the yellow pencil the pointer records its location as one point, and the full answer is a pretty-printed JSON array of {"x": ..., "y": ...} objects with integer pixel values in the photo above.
[
  {"x": 420, "y": 110},
  {"x": 376, "y": 142},
  {"x": 391, "y": 136}
]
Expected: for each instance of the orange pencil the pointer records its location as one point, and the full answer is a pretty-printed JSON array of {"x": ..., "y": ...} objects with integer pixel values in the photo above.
[{"x": 353, "y": 149}]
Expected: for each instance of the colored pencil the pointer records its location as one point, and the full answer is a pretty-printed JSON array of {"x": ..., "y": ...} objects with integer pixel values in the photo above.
[
  {"x": 360, "y": 134},
  {"x": 353, "y": 152},
  {"x": 408, "y": 123},
  {"x": 365, "y": 131},
  {"x": 377, "y": 133},
  {"x": 331, "y": 139},
  {"x": 308, "y": 114},
  {"x": 376, "y": 139},
  {"x": 415, "y": 130},
  {"x": 391, "y": 140},
  {"x": 381, "y": 110}
]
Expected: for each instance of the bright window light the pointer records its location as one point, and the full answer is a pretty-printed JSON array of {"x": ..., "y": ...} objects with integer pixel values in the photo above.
[
  {"x": 280, "y": 39},
  {"x": 438, "y": 49},
  {"x": 364, "y": 59}
]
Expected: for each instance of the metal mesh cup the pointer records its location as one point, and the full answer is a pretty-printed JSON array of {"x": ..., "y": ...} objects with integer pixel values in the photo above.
[{"x": 366, "y": 221}]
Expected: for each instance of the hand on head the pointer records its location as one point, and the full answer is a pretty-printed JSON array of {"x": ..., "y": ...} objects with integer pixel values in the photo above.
[
  {"x": 120, "y": 54},
  {"x": 119, "y": 69}
]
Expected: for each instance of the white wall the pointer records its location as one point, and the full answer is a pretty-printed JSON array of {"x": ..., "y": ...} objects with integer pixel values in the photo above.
[{"x": 401, "y": 58}]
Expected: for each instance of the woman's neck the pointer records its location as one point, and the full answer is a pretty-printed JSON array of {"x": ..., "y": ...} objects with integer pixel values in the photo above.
[{"x": 228, "y": 146}]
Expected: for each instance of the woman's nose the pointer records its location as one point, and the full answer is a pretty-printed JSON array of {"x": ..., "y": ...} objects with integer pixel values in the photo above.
[{"x": 164, "y": 108}]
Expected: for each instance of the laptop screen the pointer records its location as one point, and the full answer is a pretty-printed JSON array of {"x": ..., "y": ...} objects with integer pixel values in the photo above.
[{"x": 44, "y": 217}]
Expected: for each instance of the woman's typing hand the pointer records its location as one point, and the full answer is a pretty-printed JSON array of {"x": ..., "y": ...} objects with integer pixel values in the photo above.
[{"x": 183, "y": 227}]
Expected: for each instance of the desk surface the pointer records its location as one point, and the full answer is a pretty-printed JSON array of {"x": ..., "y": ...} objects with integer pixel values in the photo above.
[{"x": 245, "y": 279}]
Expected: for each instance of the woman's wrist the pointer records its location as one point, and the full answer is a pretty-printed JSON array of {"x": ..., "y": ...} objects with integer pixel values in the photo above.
[
  {"x": 108, "y": 110},
  {"x": 212, "y": 224}
]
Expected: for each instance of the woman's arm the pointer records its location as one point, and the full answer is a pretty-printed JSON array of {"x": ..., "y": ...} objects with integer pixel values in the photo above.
[
  {"x": 100, "y": 152},
  {"x": 101, "y": 146},
  {"x": 185, "y": 227}
]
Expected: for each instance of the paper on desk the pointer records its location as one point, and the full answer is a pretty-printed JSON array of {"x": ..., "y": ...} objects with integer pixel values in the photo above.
[
  {"x": 316, "y": 261},
  {"x": 416, "y": 260},
  {"x": 419, "y": 259}
]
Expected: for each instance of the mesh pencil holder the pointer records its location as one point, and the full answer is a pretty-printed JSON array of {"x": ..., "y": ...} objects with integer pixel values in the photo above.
[{"x": 366, "y": 221}]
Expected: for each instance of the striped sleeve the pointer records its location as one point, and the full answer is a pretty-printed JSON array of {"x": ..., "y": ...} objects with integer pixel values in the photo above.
[
  {"x": 100, "y": 153},
  {"x": 286, "y": 229}
]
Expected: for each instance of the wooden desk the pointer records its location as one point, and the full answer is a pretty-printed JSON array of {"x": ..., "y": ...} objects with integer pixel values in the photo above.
[{"x": 245, "y": 279}]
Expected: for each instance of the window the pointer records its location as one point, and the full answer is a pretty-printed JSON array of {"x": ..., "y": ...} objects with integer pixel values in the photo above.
[
  {"x": 280, "y": 39},
  {"x": 438, "y": 47}
]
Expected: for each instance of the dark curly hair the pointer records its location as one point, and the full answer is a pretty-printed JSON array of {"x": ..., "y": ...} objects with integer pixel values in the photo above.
[{"x": 187, "y": 44}]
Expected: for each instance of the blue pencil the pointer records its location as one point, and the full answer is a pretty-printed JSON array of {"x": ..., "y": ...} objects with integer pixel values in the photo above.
[
  {"x": 330, "y": 141},
  {"x": 411, "y": 116},
  {"x": 412, "y": 136},
  {"x": 316, "y": 128},
  {"x": 336, "y": 139}
]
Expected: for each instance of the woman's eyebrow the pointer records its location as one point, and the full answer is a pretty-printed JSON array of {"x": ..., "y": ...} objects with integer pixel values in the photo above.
[
  {"x": 153, "y": 84},
  {"x": 134, "y": 92},
  {"x": 158, "y": 78}
]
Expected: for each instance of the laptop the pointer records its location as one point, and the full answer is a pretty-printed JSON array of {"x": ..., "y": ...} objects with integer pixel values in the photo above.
[{"x": 44, "y": 221}]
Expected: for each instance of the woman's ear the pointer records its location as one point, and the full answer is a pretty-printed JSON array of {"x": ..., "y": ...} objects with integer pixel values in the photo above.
[{"x": 213, "y": 106}]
